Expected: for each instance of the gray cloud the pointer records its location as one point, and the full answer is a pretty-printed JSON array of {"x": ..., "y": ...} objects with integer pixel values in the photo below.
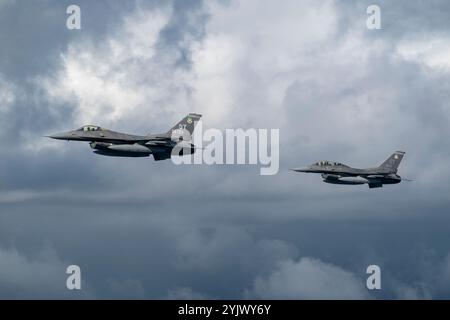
[
  {"x": 142, "y": 229},
  {"x": 40, "y": 276},
  {"x": 309, "y": 279},
  {"x": 185, "y": 294}
]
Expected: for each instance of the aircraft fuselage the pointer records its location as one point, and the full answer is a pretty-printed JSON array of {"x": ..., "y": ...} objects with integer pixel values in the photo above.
[{"x": 376, "y": 177}]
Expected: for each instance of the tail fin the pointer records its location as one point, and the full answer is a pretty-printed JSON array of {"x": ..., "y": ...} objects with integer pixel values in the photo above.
[
  {"x": 393, "y": 161},
  {"x": 186, "y": 125}
]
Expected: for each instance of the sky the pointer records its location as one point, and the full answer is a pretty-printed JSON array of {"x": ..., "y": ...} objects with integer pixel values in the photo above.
[{"x": 153, "y": 230}]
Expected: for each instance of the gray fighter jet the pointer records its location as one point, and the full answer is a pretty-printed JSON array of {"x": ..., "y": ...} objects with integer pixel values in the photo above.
[
  {"x": 338, "y": 173},
  {"x": 110, "y": 143}
]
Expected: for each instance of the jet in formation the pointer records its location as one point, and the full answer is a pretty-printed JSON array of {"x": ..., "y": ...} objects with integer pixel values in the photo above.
[
  {"x": 110, "y": 143},
  {"x": 338, "y": 173}
]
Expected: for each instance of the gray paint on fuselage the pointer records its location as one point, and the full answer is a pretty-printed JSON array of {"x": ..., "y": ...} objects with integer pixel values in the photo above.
[
  {"x": 375, "y": 177},
  {"x": 111, "y": 143},
  {"x": 105, "y": 135},
  {"x": 343, "y": 170}
]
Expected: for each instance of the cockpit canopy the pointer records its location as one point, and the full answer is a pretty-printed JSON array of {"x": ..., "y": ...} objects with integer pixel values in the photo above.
[
  {"x": 328, "y": 163},
  {"x": 90, "y": 128}
]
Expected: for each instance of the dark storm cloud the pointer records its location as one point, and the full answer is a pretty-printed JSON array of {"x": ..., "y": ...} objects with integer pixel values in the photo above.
[
  {"x": 154, "y": 230},
  {"x": 170, "y": 253},
  {"x": 32, "y": 35},
  {"x": 185, "y": 25},
  {"x": 40, "y": 37},
  {"x": 40, "y": 34}
]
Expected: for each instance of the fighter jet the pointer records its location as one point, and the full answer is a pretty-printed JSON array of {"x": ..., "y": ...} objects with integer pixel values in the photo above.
[
  {"x": 110, "y": 143},
  {"x": 338, "y": 173}
]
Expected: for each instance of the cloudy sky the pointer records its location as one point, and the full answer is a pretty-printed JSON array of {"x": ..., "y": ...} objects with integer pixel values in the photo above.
[{"x": 141, "y": 229}]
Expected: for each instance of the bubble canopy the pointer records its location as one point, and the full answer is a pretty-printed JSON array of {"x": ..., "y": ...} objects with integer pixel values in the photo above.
[
  {"x": 90, "y": 128},
  {"x": 328, "y": 163}
]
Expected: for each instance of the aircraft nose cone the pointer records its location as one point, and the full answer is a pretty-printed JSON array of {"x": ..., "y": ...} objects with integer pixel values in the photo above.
[
  {"x": 60, "y": 136},
  {"x": 301, "y": 169}
]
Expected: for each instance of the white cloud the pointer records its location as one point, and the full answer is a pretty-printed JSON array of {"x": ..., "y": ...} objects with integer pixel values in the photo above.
[
  {"x": 250, "y": 54},
  {"x": 433, "y": 53},
  {"x": 335, "y": 95},
  {"x": 7, "y": 95},
  {"x": 121, "y": 77},
  {"x": 308, "y": 279}
]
